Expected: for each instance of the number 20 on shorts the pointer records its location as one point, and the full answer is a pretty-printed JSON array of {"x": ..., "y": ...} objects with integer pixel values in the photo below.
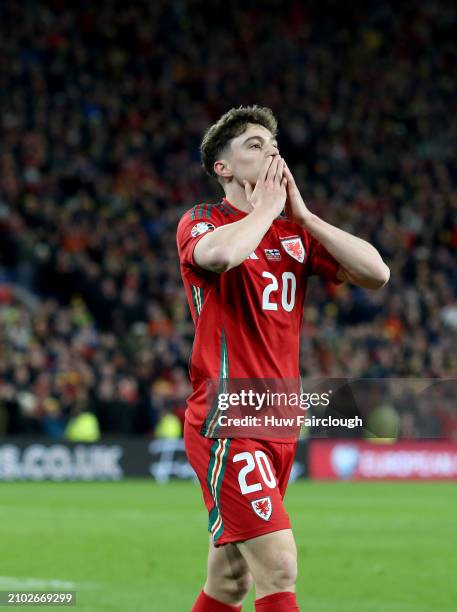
[{"x": 263, "y": 464}]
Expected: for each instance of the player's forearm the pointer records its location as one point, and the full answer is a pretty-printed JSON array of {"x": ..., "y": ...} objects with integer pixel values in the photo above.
[
  {"x": 228, "y": 246},
  {"x": 359, "y": 259}
]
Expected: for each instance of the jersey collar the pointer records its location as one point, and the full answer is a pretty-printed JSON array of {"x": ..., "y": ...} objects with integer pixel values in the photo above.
[{"x": 241, "y": 212}]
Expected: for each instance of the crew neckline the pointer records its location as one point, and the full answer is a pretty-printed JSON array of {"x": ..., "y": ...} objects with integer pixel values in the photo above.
[{"x": 242, "y": 212}]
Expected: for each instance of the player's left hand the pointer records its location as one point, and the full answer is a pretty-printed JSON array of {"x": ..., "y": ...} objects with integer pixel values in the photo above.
[{"x": 295, "y": 209}]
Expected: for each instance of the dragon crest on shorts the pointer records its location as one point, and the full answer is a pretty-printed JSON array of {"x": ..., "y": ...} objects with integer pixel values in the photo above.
[{"x": 262, "y": 507}]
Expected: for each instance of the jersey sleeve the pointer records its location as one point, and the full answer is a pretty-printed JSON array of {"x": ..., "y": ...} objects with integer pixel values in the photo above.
[
  {"x": 193, "y": 225},
  {"x": 321, "y": 263}
]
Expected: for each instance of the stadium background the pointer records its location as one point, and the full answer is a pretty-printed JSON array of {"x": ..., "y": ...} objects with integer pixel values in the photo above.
[{"x": 101, "y": 114}]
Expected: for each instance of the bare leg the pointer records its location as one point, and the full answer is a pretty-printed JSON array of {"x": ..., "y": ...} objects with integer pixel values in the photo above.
[
  {"x": 272, "y": 561},
  {"x": 229, "y": 579}
]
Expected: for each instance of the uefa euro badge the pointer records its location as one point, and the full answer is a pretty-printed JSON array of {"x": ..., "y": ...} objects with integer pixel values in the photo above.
[
  {"x": 262, "y": 507},
  {"x": 294, "y": 247},
  {"x": 201, "y": 228}
]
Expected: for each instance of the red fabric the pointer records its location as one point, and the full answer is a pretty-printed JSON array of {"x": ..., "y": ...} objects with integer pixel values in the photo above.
[
  {"x": 252, "y": 313},
  {"x": 278, "y": 602},
  {"x": 205, "y": 603},
  {"x": 236, "y": 515}
]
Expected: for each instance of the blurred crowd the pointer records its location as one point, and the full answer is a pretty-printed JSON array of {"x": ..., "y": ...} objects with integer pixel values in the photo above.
[{"x": 101, "y": 115}]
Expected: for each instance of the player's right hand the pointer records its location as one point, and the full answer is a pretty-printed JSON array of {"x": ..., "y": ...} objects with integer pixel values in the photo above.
[{"x": 270, "y": 190}]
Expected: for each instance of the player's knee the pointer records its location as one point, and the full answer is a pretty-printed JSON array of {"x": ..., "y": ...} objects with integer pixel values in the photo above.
[
  {"x": 241, "y": 585},
  {"x": 281, "y": 573},
  {"x": 230, "y": 589},
  {"x": 232, "y": 586}
]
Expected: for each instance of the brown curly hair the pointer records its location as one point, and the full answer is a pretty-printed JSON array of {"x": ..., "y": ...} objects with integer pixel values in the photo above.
[{"x": 229, "y": 126}]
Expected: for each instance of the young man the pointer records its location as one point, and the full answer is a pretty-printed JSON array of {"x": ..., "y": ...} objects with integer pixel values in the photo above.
[{"x": 245, "y": 270}]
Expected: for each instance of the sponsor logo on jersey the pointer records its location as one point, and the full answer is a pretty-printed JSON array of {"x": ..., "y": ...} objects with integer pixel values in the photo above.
[
  {"x": 294, "y": 247},
  {"x": 252, "y": 256},
  {"x": 201, "y": 228},
  {"x": 273, "y": 254},
  {"x": 262, "y": 507}
]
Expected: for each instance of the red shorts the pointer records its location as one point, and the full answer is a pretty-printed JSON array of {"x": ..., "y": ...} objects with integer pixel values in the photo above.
[{"x": 243, "y": 482}]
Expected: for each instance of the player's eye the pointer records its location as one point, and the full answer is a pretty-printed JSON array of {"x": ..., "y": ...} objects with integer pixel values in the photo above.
[{"x": 253, "y": 146}]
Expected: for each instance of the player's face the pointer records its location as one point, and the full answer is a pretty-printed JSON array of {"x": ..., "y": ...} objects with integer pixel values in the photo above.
[{"x": 248, "y": 151}]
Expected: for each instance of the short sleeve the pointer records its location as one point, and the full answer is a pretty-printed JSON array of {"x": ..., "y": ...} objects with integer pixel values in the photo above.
[
  {"x": 321, "y": 263},
  {"x": 193, "y": 225}
]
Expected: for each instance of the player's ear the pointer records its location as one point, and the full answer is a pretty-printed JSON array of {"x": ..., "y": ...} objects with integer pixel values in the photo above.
[{"x": 222, "y": 168}]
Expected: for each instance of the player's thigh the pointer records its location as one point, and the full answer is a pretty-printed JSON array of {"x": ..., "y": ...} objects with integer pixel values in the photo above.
[
  {"x": 271, "y": 557},
  {"x": 227, "y": 563}
]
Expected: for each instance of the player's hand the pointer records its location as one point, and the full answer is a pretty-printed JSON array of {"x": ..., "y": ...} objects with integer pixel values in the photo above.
[
  {"x": 270, "y": 190},
  {"x": 296, "y": 209}
]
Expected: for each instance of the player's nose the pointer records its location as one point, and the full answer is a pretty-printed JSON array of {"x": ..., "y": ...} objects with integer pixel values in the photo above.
[{"x": 272, "y": 150}]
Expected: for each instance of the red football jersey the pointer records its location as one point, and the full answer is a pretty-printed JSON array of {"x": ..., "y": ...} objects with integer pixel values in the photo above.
[{"x": 247, "y": 320}]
